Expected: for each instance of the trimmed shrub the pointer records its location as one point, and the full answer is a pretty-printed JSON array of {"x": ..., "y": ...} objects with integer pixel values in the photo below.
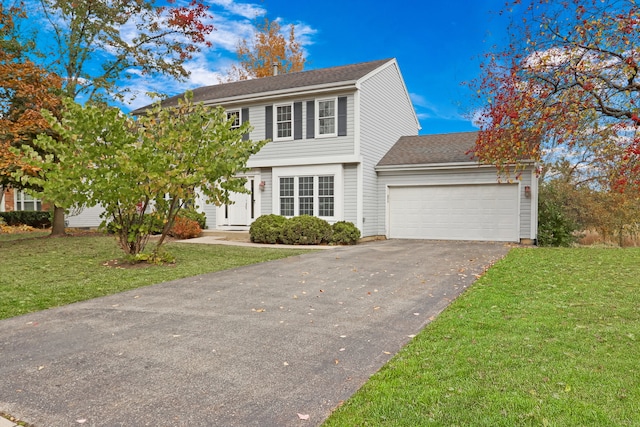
[
  {"x": 36, "y": 219},
  {"x": 267, "y": 229},
  {"x": 185, "y": 228},
  {"x": 306, "y": 230},
  {"x": 344, "y": 233}
]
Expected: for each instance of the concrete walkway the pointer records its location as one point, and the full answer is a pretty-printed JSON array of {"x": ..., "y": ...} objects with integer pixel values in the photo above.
[{"x": 262, "y": 345}]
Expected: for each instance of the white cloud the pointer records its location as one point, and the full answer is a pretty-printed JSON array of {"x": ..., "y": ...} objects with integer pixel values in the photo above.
[{"x": 245, "y": 10}]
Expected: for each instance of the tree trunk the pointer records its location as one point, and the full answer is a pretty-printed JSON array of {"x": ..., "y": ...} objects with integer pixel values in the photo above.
[{"x": 57, "y": 228}]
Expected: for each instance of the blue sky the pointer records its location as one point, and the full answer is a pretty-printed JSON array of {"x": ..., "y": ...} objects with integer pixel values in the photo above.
[{"x": 437, "y": 45}]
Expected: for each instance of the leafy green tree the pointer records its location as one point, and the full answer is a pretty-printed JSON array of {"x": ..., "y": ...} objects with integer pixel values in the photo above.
[
  {"x": 95, "y": 44},
  {"x": 123, "y": 164}
]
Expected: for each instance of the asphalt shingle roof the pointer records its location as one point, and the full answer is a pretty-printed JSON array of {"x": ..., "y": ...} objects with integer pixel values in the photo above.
[
  {"x": 431, "y": 149},
  {"x": 323, "y": 76}
]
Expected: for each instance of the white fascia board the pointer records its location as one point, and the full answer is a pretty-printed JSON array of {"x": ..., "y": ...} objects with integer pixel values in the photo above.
[
  {"x": 304, "y": 161},
  {"x": 439, "y": 166},
  {"x": 284, "y": 93},
  {"x": 430, "y": 166}
]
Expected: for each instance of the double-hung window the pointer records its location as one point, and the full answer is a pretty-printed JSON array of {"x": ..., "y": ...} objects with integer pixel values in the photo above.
[
  {"x": 326, "y": 118},
  {"x": 26, "y": 202},
  {"x": 234, "y": 117},
  {"x": 284, "y": 121},
  {"x": 307, "y": 195}
]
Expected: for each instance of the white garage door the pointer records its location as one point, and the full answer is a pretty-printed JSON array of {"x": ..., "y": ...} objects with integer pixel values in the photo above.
[{"x": 454, "y": 212}]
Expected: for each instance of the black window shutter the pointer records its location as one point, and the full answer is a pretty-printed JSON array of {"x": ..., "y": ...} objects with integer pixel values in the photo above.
[
  {"x": 297, "y": 120},
  {"x": 245, "y": 118},
  {"x": 342, "y": 116},
  {"x": 311, "y": 119},
  {"x": 268, "y": 122}
]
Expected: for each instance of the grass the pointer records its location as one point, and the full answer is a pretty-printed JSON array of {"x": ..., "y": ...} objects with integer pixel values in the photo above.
[
  {"x": 39, "y": 272},
  {"x": 548, "y": 337}
]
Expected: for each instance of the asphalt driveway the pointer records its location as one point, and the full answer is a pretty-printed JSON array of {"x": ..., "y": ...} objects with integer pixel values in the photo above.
[{"x": 263, "y": 345}]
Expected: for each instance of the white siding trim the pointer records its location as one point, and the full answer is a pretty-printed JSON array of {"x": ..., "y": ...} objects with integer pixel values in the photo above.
[{"x": 303, "y": 161}]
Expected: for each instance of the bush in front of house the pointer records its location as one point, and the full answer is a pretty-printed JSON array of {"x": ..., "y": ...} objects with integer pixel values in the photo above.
[
  {"x": 184, "y": 228},
  {"x": 193, "y": 214},
  {"x": 306, "y": 230},
  {"x": 36, "y": 219},
  {"x": 267, "y": 229},
  {"x": 344, "y": 233}
]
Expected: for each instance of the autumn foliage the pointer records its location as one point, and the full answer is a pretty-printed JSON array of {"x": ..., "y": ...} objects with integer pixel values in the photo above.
[
  {"x": 25, "y": 89},
  {"x": 568, "y": 82},
  {"x": 270, "y": 47}
]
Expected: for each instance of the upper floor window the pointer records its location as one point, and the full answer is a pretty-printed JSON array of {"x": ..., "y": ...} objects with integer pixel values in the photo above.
[
  {"x": 284, "y": 121},
  {"x": 234, "y": 117},
  {"x": 26, "y": 202},
  {"x": 326, "y": 117}
]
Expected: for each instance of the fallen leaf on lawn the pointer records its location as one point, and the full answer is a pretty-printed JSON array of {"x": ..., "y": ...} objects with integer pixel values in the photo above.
[{"x": 303, "y": 416}]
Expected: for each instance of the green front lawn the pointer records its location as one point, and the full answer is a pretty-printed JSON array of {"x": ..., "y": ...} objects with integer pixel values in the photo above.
[
  {"x": 37, "y": 272},
  {"x": 548, "y": 337}
]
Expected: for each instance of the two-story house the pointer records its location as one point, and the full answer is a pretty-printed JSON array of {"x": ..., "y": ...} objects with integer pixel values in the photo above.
[{"x": 345, "y": 147}]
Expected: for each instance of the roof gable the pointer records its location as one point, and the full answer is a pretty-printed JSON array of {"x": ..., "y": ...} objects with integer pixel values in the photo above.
[
  {"x": 342, "y": 75},
  {"x": 431, "y": 149}
]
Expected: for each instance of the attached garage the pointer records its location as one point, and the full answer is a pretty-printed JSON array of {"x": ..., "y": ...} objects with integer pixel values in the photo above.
[
  {"x": 454, "y": 212},
  {"x": 431, "y": 188}
]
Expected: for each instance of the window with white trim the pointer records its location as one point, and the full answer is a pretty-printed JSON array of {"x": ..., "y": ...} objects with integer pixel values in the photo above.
[
  {"x": 287, "y": 196},
  {"x": 283, "y": 121},
  {"x": 26, "y": 202},
  {"x": 326, "y": 118},
  {"x": 307, "y": 195},
  {"x": 234, "y": 116}
]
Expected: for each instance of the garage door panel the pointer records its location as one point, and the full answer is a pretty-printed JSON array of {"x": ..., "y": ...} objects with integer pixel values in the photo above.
[{"x": 454, "y": 212}]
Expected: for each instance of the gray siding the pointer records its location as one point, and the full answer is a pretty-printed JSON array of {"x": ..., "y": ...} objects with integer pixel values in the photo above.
[
  {"x": 386, "y": 114},
  {"x": 351, "y": 193},
  {"x": 461, "y": 176},
  {"x": 301, "y": 148},
  {"x": 266, "y": 202},
  {"x": 86, "y": 218},
  {"x": 209, "y": 209}
]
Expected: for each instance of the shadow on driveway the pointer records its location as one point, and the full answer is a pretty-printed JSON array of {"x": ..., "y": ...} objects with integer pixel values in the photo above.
[{"x": 253, "y": 346}]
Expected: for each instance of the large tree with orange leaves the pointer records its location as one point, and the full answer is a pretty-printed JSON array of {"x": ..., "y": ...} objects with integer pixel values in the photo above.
[
  {"x": 270, "y": 46},
  {"x": 567, "y": 83},
  {"x": 25, "y": 89}
]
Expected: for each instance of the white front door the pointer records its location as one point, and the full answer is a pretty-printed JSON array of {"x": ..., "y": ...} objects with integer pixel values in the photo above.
[
  {"x": 237, "y": 211},
  {"x": 244, "y": 208}
]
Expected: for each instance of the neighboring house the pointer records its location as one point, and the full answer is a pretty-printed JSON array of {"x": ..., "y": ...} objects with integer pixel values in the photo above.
[
  {"x": 18, "y": 200},
  {"x": 337, "y": 141}
]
